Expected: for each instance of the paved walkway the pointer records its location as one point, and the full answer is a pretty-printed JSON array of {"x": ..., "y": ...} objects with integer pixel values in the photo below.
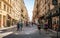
[
  {"x": 28, "y": 32},
  {"x": 6, "y": 31},
  {"x": 7, "y": 27}
]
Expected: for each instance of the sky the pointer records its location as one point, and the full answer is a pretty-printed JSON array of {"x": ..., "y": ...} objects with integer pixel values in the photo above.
[{"x": 29, "y": 5}]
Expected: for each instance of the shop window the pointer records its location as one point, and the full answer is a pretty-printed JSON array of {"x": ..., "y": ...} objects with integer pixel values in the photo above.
[
  {"x": 54, "y": 21},
  {"x": 57, "y": 21},
  {"x": 59, "y": 10}
]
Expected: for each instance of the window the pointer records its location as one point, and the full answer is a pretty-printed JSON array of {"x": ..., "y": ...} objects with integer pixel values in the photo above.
[
  {"x": 7, "y": 9},
  {"x": 22, "y": 10},
  {"x": 0, "y": 4},
  {"x": 10, "y": 1},
  {"x": 54, "y": 2},
  {"x": 4, "y": 7},
  {"x": 59, "y": 10},
  {"x": 46, "y": 1},
  {"x": 10, "y": 10},
  {"x": 56, "y": 11}
]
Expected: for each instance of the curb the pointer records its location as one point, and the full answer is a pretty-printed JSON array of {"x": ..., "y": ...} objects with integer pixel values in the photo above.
[
  {"x": 7, "y": 27},
  {"x": 52, "y": 31},
  {"x": 4, "y": 34}
]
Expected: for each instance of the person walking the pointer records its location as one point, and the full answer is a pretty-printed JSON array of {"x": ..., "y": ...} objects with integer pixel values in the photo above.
[
  {"x": 26, "y": 24},
  {"x": 18, "y": 26},
  {"x": 39, "y": 27},
  {"x": 21, "y": 25},
  {"x": 32, "y": 24},
  {"x": 46, "y": 27}
]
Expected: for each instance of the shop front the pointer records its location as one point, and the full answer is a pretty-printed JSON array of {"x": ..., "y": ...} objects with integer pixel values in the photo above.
[
  {"x": 8, "y": 20},
  {"x": 55, "y": 23},
  {"x": 4, "y": 21}
]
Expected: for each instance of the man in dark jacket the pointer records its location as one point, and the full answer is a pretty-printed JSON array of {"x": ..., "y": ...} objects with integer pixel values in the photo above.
[{"x": 18, "y": 26}]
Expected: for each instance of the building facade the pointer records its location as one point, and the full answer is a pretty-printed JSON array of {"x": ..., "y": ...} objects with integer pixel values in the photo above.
[
  {"x": 10, "y": 12},
  {"x": 24, "y": 13},
  {"x": 48, "y": 10},
  {"x": 40, "y": 9}
]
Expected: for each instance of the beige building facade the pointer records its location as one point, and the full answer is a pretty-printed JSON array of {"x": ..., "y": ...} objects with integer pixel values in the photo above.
[
  {"x": 10, "y": 12},
  {"x": 47, "y": 10},
  {"x": 40, "y": 9},
  {"x": 24, "y": 13},
  {"x": 4, "y": 4}
]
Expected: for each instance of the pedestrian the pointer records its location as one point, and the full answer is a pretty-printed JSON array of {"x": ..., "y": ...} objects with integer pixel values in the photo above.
[
  {"x": 32, "y": 23},
  {"x": 46, "y": 27},
  {"x": 26, "y": 24},
  {"x": 21, "y": 25},
  {"x": 39, "y": 27},
  {"x": 18, "y": 26}
]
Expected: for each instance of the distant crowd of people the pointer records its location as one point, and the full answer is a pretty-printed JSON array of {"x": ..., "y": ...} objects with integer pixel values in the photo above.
[
  {"x": 42, "y": 25},
  {"x": 20, "y": 25},
  {"x": 39, "y": 25}
]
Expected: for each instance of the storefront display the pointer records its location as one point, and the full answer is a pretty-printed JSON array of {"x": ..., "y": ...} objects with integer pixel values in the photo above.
[{"x": 55, "y": 23}]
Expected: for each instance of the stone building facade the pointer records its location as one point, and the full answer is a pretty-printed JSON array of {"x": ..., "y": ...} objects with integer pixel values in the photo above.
[
  {"x": 47, "y": 10},
  {"x": 10, "y": 12}
]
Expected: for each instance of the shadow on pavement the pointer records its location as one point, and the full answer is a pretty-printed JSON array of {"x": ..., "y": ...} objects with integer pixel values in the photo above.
[
  {"x": 16, "y": 36},
  {"x": 34, "y": 35}
]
